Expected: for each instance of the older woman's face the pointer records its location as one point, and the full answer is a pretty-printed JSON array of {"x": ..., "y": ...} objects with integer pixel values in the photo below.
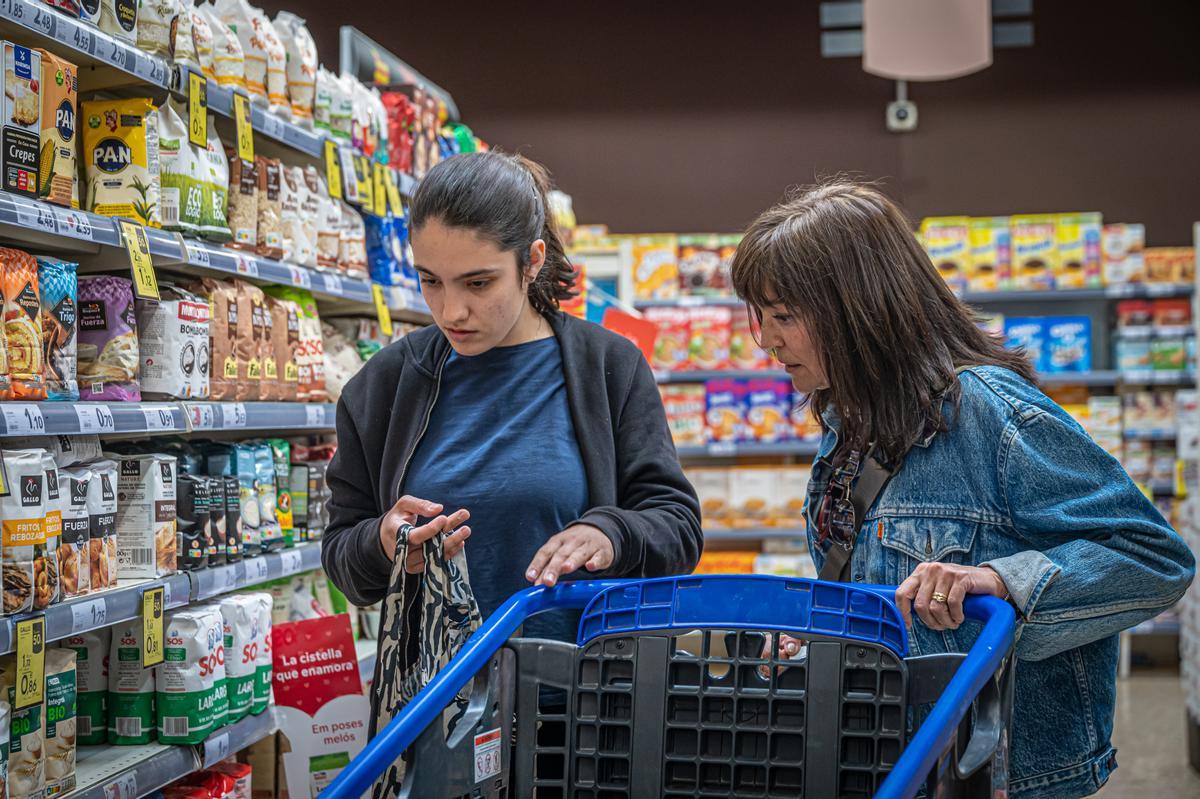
[{"x": 786, "y": 336}]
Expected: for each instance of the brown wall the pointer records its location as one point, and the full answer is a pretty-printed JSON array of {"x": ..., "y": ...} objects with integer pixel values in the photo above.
[{"x": 696, "y": 116}]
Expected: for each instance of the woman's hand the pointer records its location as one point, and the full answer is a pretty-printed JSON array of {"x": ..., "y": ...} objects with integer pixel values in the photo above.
[
  {"x": 951, "y": 583},
  {"x": 451, "y": 546},
  {"x": 578, "y": 546},
  {"x": 405, "y": 511}
]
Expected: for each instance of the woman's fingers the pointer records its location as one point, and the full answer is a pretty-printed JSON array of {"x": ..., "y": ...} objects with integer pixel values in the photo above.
[
  {"x": 940, "y": 610},
  {"x": 906, "y": 592},
  {"x": 455, "y": 542},
  {"x": 541, "y": 558},
  {"x": 924, "y": 599},
  {"x": 413, "y": 507},
  {"x": 954, "y": 601}
]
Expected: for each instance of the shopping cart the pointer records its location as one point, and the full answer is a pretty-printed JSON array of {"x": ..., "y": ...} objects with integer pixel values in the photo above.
[{"x": 677, "y": 688}]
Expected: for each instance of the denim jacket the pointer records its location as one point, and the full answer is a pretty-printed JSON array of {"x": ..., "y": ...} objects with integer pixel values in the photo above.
[{"x": 1016, "y": 484}]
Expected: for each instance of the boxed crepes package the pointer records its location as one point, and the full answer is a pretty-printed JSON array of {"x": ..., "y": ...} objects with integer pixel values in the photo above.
[{"x": 22, "y": 121}]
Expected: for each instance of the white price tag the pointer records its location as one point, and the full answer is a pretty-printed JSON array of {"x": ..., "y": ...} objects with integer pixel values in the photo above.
[
  {"x": 292, "y": 562},
  {"x": 167, "y": 594},
  {"x": 66, "y": 33},
  {"x": 271, "y": 125},
  {"x": 246, "y": 266},
  {"x": 43, "y": 21},
  {"x": 229, "y": 578},
  {"x": 332, "y": 284},
  {"x": 95, "y": 419},
  {"x": 75, "y": 224},
  {"x": 692, "y": 302},
  {"x": 1160, "y": 289},
  {"x": 216, "y": 749},
  {"x": 123, "y": 787},
  {"x": 1120, "y": 290},
  {"x": 6, "y": 7},
  {"x": 155, "y": 71},
  {"x": 204, "y": 417},
  {"x": 720, "y": 449},
  {"x": 113, "y": 52},
  {"x": 300, "y": 277},
  {"x": 89, "y": 615},
  {"x": 314, "y": 415},
  {"x": 197, "y": 255},
  {"x": 23, "y": 419},
  {"x": 159, "y": 417},
  {"x": 36, "y": 216},
  {"x": 256, "y": 569},
  {"x": 233, "y": 414}
]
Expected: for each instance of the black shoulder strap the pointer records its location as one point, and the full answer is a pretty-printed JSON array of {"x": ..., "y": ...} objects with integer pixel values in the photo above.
[{"x": 866, "y": 490}]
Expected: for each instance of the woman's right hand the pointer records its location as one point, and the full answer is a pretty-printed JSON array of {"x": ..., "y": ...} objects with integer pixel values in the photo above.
[{"x": 406, "y": 511}]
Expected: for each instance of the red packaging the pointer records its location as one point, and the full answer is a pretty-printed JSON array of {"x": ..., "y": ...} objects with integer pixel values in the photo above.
[
  {"x": 187, "y": 792},
  {"x": 744, "y": 352},
  {"x": 674, "y": 333},
  {"x": 1172, "y": 313},
  {"x": 685, "y": 406},
  {"x": 241, "y": 773},
  {"x": 401, "y": 118},
  {"x": 1134, "y": 313},
  {"x": 710, "y": 336},
  {"x": 218, "y": 785}
]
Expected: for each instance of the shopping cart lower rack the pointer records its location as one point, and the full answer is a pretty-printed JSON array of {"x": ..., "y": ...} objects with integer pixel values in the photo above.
[{"x": 678, "y": 688}]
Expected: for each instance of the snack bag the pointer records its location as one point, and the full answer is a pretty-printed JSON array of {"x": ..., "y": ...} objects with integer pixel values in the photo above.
[
  {"x": 120, "y": 151},
  {"x": 120, "y": 19},
  {"x": 154, "y": 19},
  {"x": 56, "y": 169},
  {"x": 58, "y": 288},
  {"x": 655, "y": 267},
  {"x": 46, "y": 587},
  {"x": 674, "y": 337},
  {"x": 74, "y": 562},
  {"x": 102, "y": 523},
  {"x": 23, "y": 515},
  {"x": 277, "y": 79},
  {"x": 22, "y": 324},
  {"x": 108, "y": 342}
]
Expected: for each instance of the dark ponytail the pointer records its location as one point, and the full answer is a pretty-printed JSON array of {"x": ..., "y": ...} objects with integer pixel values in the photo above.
[{"x": 506, "y": 199}]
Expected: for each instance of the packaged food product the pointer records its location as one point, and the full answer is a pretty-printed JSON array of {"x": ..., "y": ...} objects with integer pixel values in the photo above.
[
  {"x": 102, "y": 523},
  {"x": 298, "y": 489},
  {"x": 329, "y": 233},
  {"x": 56, "y": 160},
  {"x": 1172, "y": 313},
  {"x": 302, "y": 65},
  {"x": 265, "y": 491},
  {"x": 674, "y": 337},
  {"x": 108, "y": 343},
  {"x": 1068, "y": 344},
  {"x": 1035, "y": 250},
  {"x": 91, "y": 651},
  {"x": 241, "y": 774},
  {"x": 23, "y": 511},
  {"x": 146, "y": 515},
  {"x": 154, "y": 19},
  {"x": 238, "y": 16},
  {"x": 318, "y": 498},
  {"x": 74, "y": 563},
  {"x": 1168, "y": 353},
  {"x": 27, "y": 742},
  {"x": 655, "y": 267},
  {"x": 186, "y": 681},
  {"x": 341, "y": 113},
  {"x": 768, "y": 410},
  {"x": 225, "y": 370},
  {"x": 711, "y": 331},
  {"x": 215, "y": 529},
  {"x": 948, "y": 242},
  {"x": 229, "y": 60},
  {"x": 181, "y": 193},
  {"x": 684, "y": 405},
  {"x": 243, "y": 201},
  {"x": 173, "y": 336},
  {"x": 285, "y": 342},
  {"x": 22, "y": 324},
  {"x": 238, "y": 462},
  {"x": 726, "y": 410},
  {"x": 46, "y": 587},
  {"x": 281, "y": 455},
  {"x": 131, "y": 719},
  {"x": 277, "y": 75},
  {"x": 352, "y": 243},
  {"x": 712, "y": 488},
  {"x": 242, "y": 642},
  {"x": 791, "y": 492},
  {"x": 120, "y": 149},
  {"x": 22, "y": 122},
  {"x": 726, "y": 563},
  {"x": 311, "y": 358},
  {"x": 251, "y": 339},
  {"x": 744, "y": 352},
  {"x": 1079, "y": 259},
  {"x": 58, "y": 290},
  {"x": 183, "y": 39},
  {"x": 215, "y": 783},
  {"x": 699, "y": 264},
  {"x": 233, "y": 517},
  {"x": 323, "y": 99},
  {"x": 270, "y": 207},
  {"x": 263, "y": 666},
  {"x": 89, "y": 11},
  {"x": 194, "y": 521},
  {"x": 1029, "y": 334},
  {"x": 805, "y": 426},
  {"x": 61, "y": 696},
  {"x": 751, "y": 491},
  {"x": 342, "y": 361},
  {"x": 299, "y": 231},
  {"x": 1134, "y": 314},
  {"x": 214, "y": 173},
  {"x": 991, "y": 254},
  {"x": 120, "y": 19},
  {"x": 1123, "y": 252}
]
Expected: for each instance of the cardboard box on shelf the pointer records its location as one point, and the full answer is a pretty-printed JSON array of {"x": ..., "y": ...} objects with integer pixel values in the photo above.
[
  {"x": 711, "y": 331},
  {"x": 656, "y": 267},
  {"x": 712, "y": 488},
  {"x": 1122, "y": 247},
  {"x": 22, "y": 120},
  {"x": 674, "y": 337},
  {"x": 700, "y": 270},
  {"x": 1080, "y": 264},
  {"x": 1104, "y": 414},
  {"x": 791, "y": 490},
  {"x": 685, "y": 407},
  {"x": 726, "y": 409},
  {"x": 1028, "y": 333},
  {"x": 768, "y": 410},
  {"x": 751, "y": 493},
  {"x": 991, "y": 254},
  {"x": 744, "y": 352},
  {"x": 1068, "y": 346},
  {"x": 1035, "y": 250},
  {"x": 948, "y": 241}
]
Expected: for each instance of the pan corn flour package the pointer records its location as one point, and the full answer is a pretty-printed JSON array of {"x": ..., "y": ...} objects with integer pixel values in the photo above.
[
  {"x": 121, "y": 158},
  {"x": 56, "y": 162}
]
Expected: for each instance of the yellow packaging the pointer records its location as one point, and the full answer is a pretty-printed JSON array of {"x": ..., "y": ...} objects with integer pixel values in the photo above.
[
  {"x": 1079, "y": 262},
  {"x": 948, "y": 242},
  {"x": 120, "y": 151},
  {"x": 736, "y": 562},
  {"x": 56, "y": 171},
  {"x": 1035, "y": 251},
  {"x": 991, "y": 254},
  {"x": 712, "y": 488},
  {"x": 656, "y": 267}
]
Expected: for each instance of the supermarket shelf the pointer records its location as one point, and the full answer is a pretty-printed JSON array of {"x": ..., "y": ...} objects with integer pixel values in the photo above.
[
  {"x": 366, "y": 649},
  {"x": 126, "y": 772},
  {"x": 754, "y": 534},
  {"x": 120, "y": 418},
  {"x": 1162, "y": 488},
  {"x": 691, "y": 302},
  {"x": 701, "y": 376},
  {"x": 1151, "y": 435},
  {"x": 731, "y": 450},
  {"x": 220, "y": 101},
  {"x": 1147, "y": 332},
  {"x": 207, "y": 583},
  {"x": 407, "y": 304},
  {"x": 1183, "y": 377}
]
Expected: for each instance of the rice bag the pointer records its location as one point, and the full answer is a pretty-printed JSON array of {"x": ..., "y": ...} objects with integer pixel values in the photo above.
[
  {"x": 120, "y": 155},
  {"x": 173, "y": 336},
  {"x": 186, "y": 681},
  {"x": 352, "y": 243},
  {"x": 239, "y": 17},
  {"x": 61, "y": 700},
  {"x": 22, "y": 324},
  {"x": 108, "y": 343},
  {"x": 154, "y": 20},
  {"x": 120, "y": 19},
  {"x": 58, "y": 288},
  {"x": 183, "y": 38},
  {"x": 181, "y": 190},
  {"x": 323, "y": 100},
  {"x": 102, "y": 523},
  {"x": 230, "y": 62},
  {"x": 46, "y": 588},
  {"x": 91, "y": 650},
  {"x": 74, "y": 562},
  {"x": 277, "y": 78},
  {"x": 270, "y": 207},
  {"x": 27, "y": 756},
  {"x": 243, "y": 201},
  {"x": 214, "y": 174},
  {"x": 23, "y": 512},
  {"x": 131, "y": 719},
  {"x": 302, "y": 64}
]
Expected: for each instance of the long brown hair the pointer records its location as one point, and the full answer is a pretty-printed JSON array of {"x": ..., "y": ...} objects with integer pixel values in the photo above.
[{"x": 842, "y": 258}]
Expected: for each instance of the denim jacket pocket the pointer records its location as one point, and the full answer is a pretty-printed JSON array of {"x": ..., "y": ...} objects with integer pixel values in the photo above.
[{"x": 927, "y": 539}]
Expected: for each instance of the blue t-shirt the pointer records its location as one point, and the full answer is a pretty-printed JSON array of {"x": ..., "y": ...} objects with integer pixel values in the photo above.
[{"x": 501, "y": 444}]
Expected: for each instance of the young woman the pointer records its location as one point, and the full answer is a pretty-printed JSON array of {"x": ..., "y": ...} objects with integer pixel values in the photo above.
[
  {"x": 967, "y": 478},
  {"x": 546, "y": 430}
]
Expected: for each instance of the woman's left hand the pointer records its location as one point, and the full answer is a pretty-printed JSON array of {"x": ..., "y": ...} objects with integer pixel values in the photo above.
[
  {"x": 951, "y": 583},
  {"x": 578, "y": 546}
]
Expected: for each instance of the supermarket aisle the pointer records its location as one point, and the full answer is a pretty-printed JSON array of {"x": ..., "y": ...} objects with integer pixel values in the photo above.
[{"x": 1150, "y": 738}]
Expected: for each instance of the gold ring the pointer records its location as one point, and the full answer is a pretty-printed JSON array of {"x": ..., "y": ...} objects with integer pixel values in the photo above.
[{"x": 938, "y": 596}]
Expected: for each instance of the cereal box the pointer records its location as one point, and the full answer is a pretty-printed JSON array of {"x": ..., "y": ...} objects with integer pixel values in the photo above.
[
  {"x": 948, "y": 242},
  {"x": 712, "y": 488},
  {"x": 1028, "y": 333},
  {"x": 791, "y": 490},
  {"x": 1035, "y": 251},
  {"x": 751, "y": 489},
  {"x": 726, "y": 563},
  {"x": 1068, "y": 344},
  {"x": 1122, "y": 249},
  {"x": 655, "y": 267},
  {"x": 805, "y": 426},
  {"x": 56, "y": 163},
  {"x": 991, "y": 254},
  {"x": 685, "y": 408},
  {"x": 768, "y": 410},
  {"x": 1079, "y": 261},
  {"x": 700, "y": 265},
  {"x": 744, "y": 352},
  {"x": 1136, "y": 460},
  {"x": 726, "y": 413},
  {"x": 729, "y": 245},
  {"x": 1134, "y": 313},
  {"x": 711, "y": 333},
  {"x": 674, "y": 337},
  {"x": 22, "y": 120}
]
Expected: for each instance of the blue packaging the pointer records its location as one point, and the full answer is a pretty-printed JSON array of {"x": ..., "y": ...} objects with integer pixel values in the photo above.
[
  {"x": 1068, "y": 346},
  {"x": 383, "y": 250},
  {"x": 1028, "y": 333}
]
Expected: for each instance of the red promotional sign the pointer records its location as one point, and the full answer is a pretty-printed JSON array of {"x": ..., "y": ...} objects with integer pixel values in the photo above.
[
  {"x": 639, "y": 331},
  {"x": 315, "y": 662}
]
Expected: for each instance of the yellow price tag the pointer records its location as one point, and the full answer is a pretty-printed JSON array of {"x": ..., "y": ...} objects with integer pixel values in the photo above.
[
  {"x": 31, "y": 662},
  {"x": 393, "y": 194},
  {"x": 1145, "y": 489},
  {"x": 381, "y": 310},
  {"x": 333, "y": 169},
  {"x": 145, "y": 283},
  {"x": 381, "y": 205},
  {"x": 198, "y": 110},
  {"x": 245, "y": 133},
  {"x": 152, "y": 627},
  {"x": 362, "y": 173},
  {"x": 1181, "y": 491}
]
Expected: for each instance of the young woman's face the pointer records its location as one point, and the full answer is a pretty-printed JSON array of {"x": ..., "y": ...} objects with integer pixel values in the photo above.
[
  {"x": 787, "y": 337},
  {"x": 474, "y": 290}
]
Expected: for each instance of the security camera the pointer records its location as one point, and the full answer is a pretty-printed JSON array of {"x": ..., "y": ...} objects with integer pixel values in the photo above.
[{"x": 901, "y": 116}]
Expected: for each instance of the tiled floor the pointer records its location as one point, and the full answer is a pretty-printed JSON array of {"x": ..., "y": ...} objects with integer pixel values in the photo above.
[{"x": 1151, "y": 738}]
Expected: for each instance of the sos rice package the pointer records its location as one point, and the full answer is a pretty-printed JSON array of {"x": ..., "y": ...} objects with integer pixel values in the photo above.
[
  {"x": 91, "y": 650},
  {"x": 173, "y": 336},
  {"x": 186, "y": 683},
  {"x": 58, "y": 288},
  {"x": 23, "y": 515},
  {"x": 22, "y": 324},
  {"x": 239, "y": 614},
  {"x": 121, "y": 164},
  {"x": 108, "y": 342},
  {"x": 263, "y": 664},
  {"x": 131, "y": 720}
]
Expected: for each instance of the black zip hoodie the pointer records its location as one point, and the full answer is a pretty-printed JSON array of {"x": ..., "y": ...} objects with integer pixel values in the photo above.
[{"x": 639, "y": 496}]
